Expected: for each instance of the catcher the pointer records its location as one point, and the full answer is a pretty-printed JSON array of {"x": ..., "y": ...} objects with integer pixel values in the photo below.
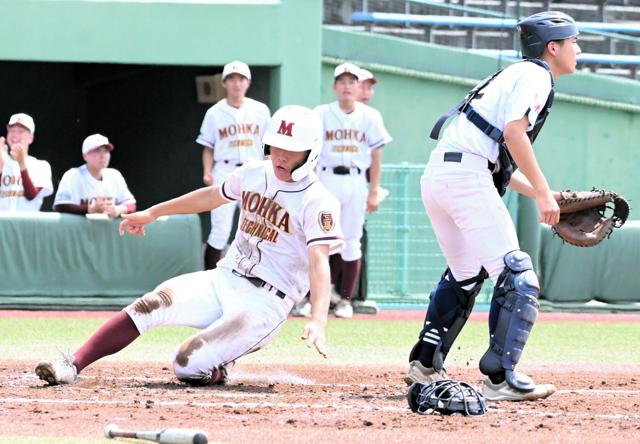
[{"x": 467, "y": 173}]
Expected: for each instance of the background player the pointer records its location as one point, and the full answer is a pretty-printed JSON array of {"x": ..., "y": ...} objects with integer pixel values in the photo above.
[
  {"x": 289, "y": 224},
  {"x": 24, "y": 180},
  {"x": 231, "y": 135},
  {"x": 470, "y": 220},
  {"x": 367, "y": 80},
  {"x": 353, "y": 137},
  {"x": 93, "y": 187}
]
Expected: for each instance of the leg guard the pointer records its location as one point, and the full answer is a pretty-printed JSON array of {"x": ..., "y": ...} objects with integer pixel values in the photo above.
[
  {"x": 449, "y": 308},
  {"x": 514, "y": 309}
]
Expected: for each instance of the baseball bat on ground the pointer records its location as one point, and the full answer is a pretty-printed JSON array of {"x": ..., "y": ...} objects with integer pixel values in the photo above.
[{"x": 164, "y": 436}]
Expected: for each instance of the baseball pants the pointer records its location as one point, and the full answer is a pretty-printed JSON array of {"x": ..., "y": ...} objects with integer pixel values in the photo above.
[
  {"x": 351, "y": 191},
  {"x": 235, "y": 317},
  {"x": 468, "y": 216}
]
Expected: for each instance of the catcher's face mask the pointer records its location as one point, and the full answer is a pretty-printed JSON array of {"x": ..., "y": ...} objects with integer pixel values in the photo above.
[{"x": 446, "y": 397}]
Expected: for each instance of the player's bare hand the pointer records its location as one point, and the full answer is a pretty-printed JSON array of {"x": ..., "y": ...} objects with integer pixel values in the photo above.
[
  {"x": 207, "y": 179},
  {"x": 313, "y": 333},
  {"x": 19, "y": 153},
  {"x": 97, "y": 205},
  {"x": 116, "y": 210},
  {"x": 373, "y": 201},
  {"x": 134, "y": 223},
  {"x": 548, "y": 207}
]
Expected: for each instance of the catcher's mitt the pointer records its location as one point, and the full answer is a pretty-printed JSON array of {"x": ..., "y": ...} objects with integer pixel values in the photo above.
[
  {"x": 446, "y": 397},
  {"x": 583, "y": 221}
]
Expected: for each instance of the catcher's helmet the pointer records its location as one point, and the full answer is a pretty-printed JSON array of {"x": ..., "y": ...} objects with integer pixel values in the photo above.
[
  {"x": 541, "y": 28},
  {"x": 446, "y": 397},
  {"x": 295, "y": 128}
]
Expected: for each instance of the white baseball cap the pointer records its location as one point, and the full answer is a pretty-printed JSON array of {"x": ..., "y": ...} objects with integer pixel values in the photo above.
[
  {"x": 236, "y": 67},
  {"x": 95, "y": 141},
  {"x": 347, "y": 68},
  {"x": 24, "y": 120},
  {"x": 365, "y": 75}
]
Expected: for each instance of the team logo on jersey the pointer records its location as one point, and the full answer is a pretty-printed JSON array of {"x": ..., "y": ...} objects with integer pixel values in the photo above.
[
  {"x": 326, "y": 221},
  {"x": 285, "y": 128}
]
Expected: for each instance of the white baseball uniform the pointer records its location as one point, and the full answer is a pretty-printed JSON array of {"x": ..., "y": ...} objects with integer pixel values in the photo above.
[
  {"x": 235, "y": 136},
  {"x": 78, "y": 187},
  {"x": 279, "y": 221},
  {"x": 11, "y": 189},
  {"x": 349, "y": 140},
  {"x": 468, "y": 216}
]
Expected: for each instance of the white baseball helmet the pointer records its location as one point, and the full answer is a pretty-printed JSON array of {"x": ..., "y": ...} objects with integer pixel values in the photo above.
[{"x": 295, "y": 128}]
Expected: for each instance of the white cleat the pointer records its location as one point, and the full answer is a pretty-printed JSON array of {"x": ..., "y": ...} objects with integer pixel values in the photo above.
[
  {"x": 343, "y": 309},
  {"x": 426, "y": 375},
  {"x": 302, "y": 309},
  {"x": 61, "y": 371},
  {"x": 504, "y": 392}
]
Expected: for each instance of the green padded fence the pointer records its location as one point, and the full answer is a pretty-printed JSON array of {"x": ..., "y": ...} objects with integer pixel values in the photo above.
[{"x": 404, "y": 261}]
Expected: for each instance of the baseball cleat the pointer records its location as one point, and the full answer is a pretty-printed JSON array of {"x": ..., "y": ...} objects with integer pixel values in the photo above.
[
  {"x": 343, "y": 309},
  {"x": 61, "y": 371},
  {"x": 504, "y": 392},
  {"x": 426, "y": 375},
  {"x": 302, "y": 309}
]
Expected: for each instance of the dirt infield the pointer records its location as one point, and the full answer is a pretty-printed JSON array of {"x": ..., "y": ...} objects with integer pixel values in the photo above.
[
  {"x": 295, "y": 404},
  {"x": 312, "y": 404}
]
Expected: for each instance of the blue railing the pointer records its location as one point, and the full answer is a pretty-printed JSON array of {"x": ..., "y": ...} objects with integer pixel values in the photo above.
[{"x": 479, "y": 22}]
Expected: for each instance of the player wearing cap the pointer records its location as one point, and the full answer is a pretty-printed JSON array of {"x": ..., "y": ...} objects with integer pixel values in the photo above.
[
  {"x": 24, "y": 180},
  {"x": 93, "y": 187},
  {"x": 353, "y": 137},
  {"x": 289, "y": 224},
  {"x": 367, "y": 80},
  {"x": 360, "y": 303},
  {"x": 230, "y": 135}
]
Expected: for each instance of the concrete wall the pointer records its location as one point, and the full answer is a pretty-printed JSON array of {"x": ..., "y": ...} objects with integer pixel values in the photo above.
[{"x": 284, "y": 34}]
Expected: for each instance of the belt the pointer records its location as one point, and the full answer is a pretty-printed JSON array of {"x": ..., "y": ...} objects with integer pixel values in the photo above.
[
  {"x": 342, "y": 170},
  {"x": 233, "y": 162},
  {"x": 259, "y": 283},
  {"x": 468, "y": 159}
]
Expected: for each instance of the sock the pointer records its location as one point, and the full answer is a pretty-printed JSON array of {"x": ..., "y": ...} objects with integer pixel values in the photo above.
[
  {"x": 211, "y": 257},
  {"x": 442, "y": 301},
  {"x": 113, "y": 336},
  {"x": 350, "y": 273},
  {"x": 335, "y": 263}
]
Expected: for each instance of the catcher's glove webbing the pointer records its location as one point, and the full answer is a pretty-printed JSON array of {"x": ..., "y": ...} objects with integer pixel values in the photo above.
[
  {"x": 583, "y": 221},
  {"x": 446, "y": 397}
]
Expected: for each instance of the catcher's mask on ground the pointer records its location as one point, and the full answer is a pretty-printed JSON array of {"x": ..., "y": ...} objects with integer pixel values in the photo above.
[
  {"x": 295, "y": 128},
  {"x": 446, "y": 397}
]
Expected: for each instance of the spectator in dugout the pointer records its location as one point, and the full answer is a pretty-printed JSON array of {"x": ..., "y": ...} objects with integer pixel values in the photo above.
[
  {"x": 93, "y": 187},
  {"x": 24, "y": 180}
]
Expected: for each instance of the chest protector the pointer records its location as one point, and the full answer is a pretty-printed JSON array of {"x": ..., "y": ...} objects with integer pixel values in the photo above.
[{"x": 505, "y": 165}]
